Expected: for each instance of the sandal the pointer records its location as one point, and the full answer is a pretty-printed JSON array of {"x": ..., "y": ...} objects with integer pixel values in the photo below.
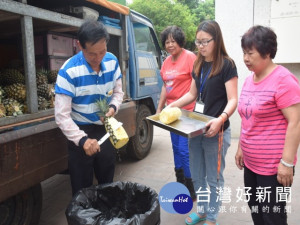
[{"x": 194, "y": 218}]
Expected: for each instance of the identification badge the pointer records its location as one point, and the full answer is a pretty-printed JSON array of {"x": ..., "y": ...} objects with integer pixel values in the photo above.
[{"x": 199, "y": 107}]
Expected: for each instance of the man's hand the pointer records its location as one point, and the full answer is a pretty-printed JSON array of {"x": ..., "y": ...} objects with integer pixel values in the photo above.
[
  {"x": 91, "y": 147},
  {"x": 111, "y": 112}
]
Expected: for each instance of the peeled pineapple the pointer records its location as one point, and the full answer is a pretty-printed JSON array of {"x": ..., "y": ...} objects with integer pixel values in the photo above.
[
  {"x": 118, "y": 137},
  {"x": 169, "y": 115}
]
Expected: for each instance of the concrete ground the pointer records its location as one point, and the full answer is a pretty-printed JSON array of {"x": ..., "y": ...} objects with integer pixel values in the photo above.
[{"x": 156, "y": 170}]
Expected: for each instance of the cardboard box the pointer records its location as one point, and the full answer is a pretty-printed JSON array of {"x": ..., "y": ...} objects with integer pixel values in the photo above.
[
  {"x": 51, "y": 44},
  {"x": 51, "y": 62}
]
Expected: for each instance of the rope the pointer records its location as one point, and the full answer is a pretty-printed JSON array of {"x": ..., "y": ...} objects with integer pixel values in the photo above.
[{"x": 220, "y": 148}]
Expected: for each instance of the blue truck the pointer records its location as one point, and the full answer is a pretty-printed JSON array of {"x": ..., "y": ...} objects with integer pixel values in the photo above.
[{"x": 32, "y": 147}]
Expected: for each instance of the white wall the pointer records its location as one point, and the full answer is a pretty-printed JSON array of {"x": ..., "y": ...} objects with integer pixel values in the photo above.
[{"x": 235, "y": 17}]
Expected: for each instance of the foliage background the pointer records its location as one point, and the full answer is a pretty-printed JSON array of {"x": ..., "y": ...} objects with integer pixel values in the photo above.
[{"x": 187, "y": 14}]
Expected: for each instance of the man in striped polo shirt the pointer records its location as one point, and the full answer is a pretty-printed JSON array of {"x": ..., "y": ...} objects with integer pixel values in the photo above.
[{"x": 90, "y": 75}]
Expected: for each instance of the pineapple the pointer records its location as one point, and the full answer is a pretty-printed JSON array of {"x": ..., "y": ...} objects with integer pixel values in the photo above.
[
  {"x": 169, "y": 115},
  {"x": 2, "y": 110},
  {"x": 41, "y": 77},
  {"x": 44, "y": 90},
  {"x": 16, "y": 91},
  {"x": 52, "y": 75},
  {"x": 12, "y": 76},
  {"x": 52, "y": 101},
  {"x": 117, "y": 137},
  {"x": 43, "y": 103},
  {"x": 2, "y": 94},
  {"x": 13, "y": 107}
]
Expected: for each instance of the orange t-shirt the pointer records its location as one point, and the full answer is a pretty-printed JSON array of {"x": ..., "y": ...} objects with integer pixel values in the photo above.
[{"x": 177, "y": 77}]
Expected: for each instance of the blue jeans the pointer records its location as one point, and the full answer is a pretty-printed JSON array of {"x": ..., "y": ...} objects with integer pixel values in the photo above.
[
  {"x": 204, "y": 164},
  {"x": 181, "y": 153}
]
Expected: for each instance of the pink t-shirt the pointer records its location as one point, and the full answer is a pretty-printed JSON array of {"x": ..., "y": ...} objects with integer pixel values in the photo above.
[
  {"x": 263, "y": 124},
  {"x": 177, "y": 76}
]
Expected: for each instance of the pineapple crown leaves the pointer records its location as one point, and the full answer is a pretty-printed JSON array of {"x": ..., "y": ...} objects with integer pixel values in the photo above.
[{"x": 103, "y": 106}]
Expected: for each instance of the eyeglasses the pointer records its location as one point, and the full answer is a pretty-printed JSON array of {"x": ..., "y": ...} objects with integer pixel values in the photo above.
[{"x": 203, "y": 43}]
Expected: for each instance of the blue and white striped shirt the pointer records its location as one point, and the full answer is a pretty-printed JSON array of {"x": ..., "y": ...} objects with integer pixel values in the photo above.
[{"x": 78, "y": 80}]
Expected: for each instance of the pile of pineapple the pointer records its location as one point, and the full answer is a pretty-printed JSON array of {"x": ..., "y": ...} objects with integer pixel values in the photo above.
[{"x": 13, "y": 90}]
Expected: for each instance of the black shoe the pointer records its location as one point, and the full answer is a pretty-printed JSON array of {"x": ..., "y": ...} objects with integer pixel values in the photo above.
[{"x": 180, "y": 175}]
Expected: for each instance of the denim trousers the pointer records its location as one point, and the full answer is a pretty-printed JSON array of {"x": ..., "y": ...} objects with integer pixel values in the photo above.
[
  {"x": 181, "y": 153},
  {"x": 204, "y": 164}
]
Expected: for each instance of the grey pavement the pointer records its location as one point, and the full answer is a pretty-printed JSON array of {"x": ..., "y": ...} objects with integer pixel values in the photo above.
[{"x": 156, "y": 170}]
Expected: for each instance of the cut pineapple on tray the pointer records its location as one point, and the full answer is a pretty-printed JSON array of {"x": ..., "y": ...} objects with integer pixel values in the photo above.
[{"x": 169, "y": 115}]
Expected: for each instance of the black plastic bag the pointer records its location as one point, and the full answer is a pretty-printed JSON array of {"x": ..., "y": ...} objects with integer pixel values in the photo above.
[{"x": 118, "y": 203}]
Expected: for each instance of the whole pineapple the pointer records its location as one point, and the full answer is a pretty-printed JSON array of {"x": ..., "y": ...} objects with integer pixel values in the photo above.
[
  {"x": 13, "y": 107},
  {"x": 12, "y": 76},
  {"x": 52, "y": 101},
  {"x": 43, "y": 91},
  {"x": 2, "y": 110},
  {"x": 52, "y": 75},
  {"x": 43, "y": 103},
  {"x": 117, "y": 137},
  {"x": 2, "y": 94},
  {"x": 16, "y": 91},
  {"x": 41, "y": 77}
]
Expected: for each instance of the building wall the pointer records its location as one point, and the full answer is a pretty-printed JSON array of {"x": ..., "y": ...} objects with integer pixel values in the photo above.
[{"x": 235, "y": 17}]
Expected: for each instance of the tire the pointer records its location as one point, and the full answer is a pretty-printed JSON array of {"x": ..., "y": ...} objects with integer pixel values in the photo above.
[
  {"x": 24, "y": 208},
  {"x": 139, "y": 145}
]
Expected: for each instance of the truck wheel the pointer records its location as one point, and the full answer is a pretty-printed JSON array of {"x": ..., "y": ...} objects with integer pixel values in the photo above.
[
  {"x": 140, "y": 144},
  {"x": 24, "y": 208}
]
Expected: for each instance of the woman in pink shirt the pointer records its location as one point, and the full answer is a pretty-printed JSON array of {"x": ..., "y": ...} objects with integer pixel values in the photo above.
[
  {"x": 176, "y": 73},
  {"x": 269, "y": 106}
]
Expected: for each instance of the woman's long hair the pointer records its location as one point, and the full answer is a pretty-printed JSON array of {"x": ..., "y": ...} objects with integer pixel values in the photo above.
[{"x": 219, "y": 53}]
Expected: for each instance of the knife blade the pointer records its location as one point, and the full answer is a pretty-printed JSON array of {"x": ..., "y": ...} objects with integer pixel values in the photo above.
[{"x": 107, "y": 134}]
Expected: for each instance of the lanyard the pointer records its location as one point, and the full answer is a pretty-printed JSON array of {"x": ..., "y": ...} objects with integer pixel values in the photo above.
[{"x": 202, "y": 82}]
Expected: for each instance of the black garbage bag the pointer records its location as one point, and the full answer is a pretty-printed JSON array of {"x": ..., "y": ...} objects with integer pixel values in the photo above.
[{"x": 118, "y": 203}]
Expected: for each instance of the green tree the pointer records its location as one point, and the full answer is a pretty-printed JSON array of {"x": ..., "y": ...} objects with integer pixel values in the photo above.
[
  {"x": 164, "y": 13},
  {"x": 192, "y": 4},
  {"x": 204, "y": 11}
]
